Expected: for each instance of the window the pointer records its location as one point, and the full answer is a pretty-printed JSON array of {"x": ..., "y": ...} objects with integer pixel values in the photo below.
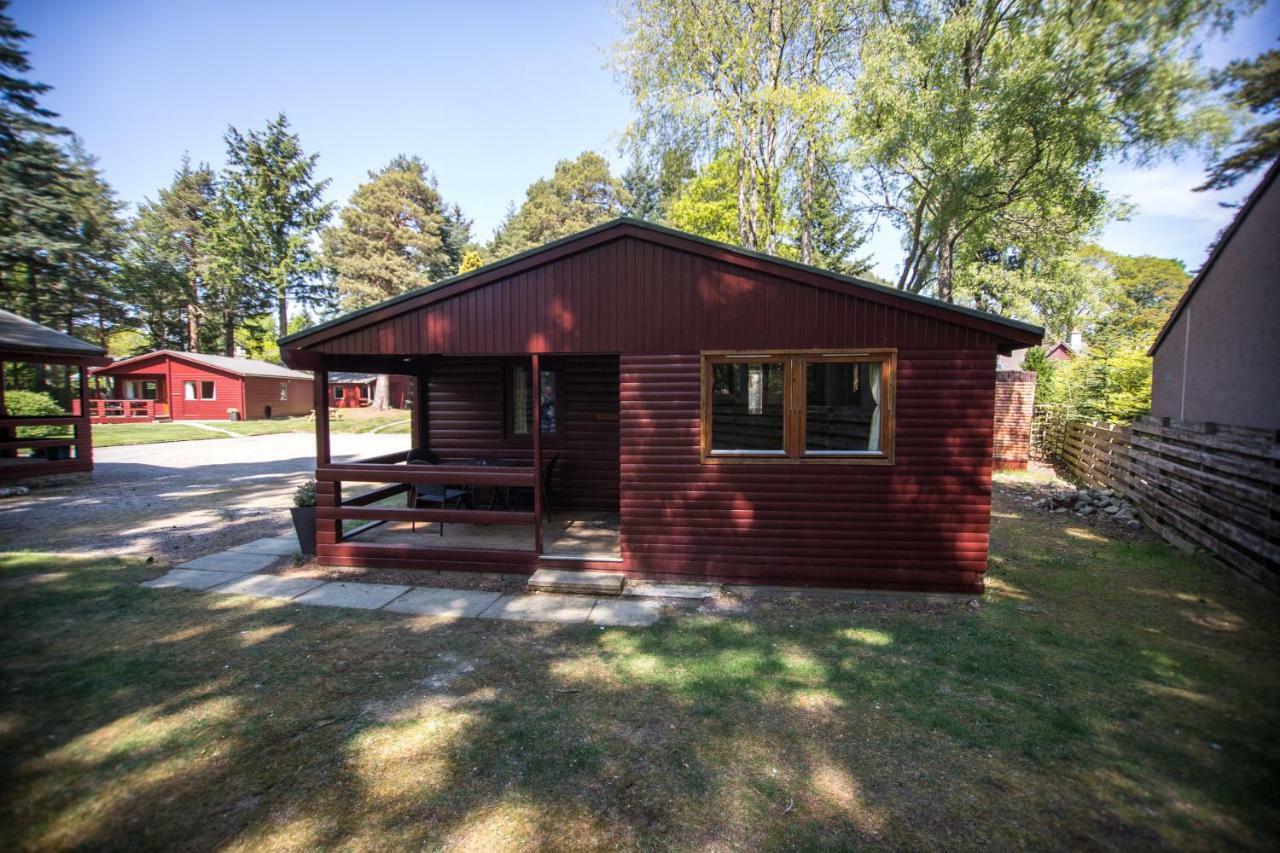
[
  {"x": 337, "y": 392},
  {"x": 284, "y": 390},
  {"x": 519, "y": 408},
  {"x": 798, "y": 406},
  {"x": 204, "y": 390}
]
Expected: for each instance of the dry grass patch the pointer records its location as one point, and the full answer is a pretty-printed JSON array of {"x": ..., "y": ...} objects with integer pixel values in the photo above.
[{"x": 1106, "y": 694}]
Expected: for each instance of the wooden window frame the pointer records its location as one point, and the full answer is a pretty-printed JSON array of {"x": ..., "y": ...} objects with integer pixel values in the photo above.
[
  {"x": 509, "y": 433},
  {"x": 795, "y": 407}
]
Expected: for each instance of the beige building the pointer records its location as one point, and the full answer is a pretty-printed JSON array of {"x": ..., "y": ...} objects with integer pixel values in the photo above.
[{"x": 1218, "y": 357}]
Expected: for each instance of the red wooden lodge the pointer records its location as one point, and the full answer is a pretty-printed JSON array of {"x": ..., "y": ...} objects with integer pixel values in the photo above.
[
  {"x": 26, "y": 451},
  {"x": 168, "y": 385},
  {"x": 638, "y": 400},
  {"x": 356, "y": 390}
]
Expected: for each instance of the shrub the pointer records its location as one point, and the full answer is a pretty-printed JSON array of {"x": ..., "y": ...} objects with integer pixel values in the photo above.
[
  {"x": 33, "y": 404},
  {"x": 305, "y": 495}
]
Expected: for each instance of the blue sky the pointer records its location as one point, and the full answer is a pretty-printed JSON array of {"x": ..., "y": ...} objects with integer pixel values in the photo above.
[{"x": 489, "y": 94}]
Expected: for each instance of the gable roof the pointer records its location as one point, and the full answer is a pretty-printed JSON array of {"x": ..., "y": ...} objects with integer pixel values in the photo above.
[
  {"x": 1015, "y": 331},
  {"x": 238, "y": 366},
  {"x": 1216, "y": 252},
  {"x": 19, "y": 334}
]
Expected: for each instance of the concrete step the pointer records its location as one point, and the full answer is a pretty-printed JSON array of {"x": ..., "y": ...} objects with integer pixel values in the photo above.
[{"x": 583, "y": 583}]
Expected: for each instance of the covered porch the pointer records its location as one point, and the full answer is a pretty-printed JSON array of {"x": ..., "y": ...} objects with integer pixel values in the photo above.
[{"x": 512, "y": 464}]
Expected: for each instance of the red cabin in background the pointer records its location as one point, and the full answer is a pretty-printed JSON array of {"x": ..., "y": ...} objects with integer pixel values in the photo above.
[
  {"x": 356, "y": 390},
  {"x": 169, "y": 385},
  {"x": 638, "y": 400}
]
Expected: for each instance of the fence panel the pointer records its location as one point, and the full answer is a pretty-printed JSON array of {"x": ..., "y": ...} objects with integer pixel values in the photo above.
[{"x": 1196, "y": 484}]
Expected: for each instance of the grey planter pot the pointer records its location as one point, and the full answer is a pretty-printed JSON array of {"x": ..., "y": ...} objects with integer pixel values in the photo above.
[{"x": 304, "y": 524}]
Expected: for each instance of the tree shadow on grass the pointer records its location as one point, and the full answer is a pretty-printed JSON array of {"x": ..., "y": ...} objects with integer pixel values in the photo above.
[{"x": 159, "y": 718}]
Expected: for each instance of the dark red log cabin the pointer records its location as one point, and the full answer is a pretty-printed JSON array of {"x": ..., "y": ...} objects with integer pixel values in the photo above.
[
  {"x": 169, "y": 385},
  {"x": 41, "y": 445},
  {"x": 703, "y": 412},
  {"x": 356, "y": 390}
]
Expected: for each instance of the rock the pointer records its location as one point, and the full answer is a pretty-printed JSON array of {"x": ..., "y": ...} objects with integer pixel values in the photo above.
[
  {"x": 1111, "y": 509},
  {"x": 1134, "y": 525},
  {"x": 1060, "y": 509},
  {"x": 1087, "y": 511}
]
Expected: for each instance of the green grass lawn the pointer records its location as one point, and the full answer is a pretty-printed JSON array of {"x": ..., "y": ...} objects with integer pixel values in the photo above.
[
  {"x": 114, "y": 435},
  {"x": 1106, "y": 694}
]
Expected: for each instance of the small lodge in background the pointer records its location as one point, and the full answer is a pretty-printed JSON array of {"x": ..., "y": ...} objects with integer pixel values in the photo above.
[
  {"x": 168, "y": 385},
  {"x": 356, "y": 390},
  {"x": 36, "y": 358}
]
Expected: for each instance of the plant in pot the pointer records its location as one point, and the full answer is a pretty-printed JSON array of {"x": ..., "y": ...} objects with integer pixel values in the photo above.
[{"x": 304, "y": 517}]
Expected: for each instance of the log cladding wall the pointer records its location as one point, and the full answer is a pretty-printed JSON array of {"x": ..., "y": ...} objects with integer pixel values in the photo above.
[
  {"x": 921, "y": 523},
  {"x": 1197, "y": 485},
  {"x": 261, "y": 393},
  {"x": 465, "y": 420},
  {"x": 1015, "y": 403}
]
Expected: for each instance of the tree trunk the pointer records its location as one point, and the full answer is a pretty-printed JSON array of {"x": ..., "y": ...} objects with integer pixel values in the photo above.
[
  {"x": 382, "y": 393},
  {"x": 807, "y": 180},
  {"x": 946, "y": 263},
  {"x": 193, "y": 316},
  {"x": 284, "y": 313},
  {"x": 229, "y": 335},
  {"x": 33, "y": 295}
]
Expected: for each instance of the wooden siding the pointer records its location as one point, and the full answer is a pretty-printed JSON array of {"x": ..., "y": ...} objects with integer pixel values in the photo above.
[
  {"x": 1015, "y": 402},
  {"x": 920, "y": 523},
  {"x": 465, "y": 420},
  {"x": 631, "y": 295},
  {"x": 260, "y": 392}
]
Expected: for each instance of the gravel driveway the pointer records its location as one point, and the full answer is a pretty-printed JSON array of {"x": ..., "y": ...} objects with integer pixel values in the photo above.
[{"x": 178, "y": 500}]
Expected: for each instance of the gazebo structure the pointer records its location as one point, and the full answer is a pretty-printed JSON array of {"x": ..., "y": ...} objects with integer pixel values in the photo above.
[{"x": 26, "y": 450}]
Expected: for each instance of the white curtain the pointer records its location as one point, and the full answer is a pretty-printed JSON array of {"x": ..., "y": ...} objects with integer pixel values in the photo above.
[{"x": 873, "y": 440}]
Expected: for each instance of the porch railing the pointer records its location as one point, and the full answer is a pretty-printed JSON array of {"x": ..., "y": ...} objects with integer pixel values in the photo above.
[
  {"x": 106, "y": 411},
  {"x": 332, "y": 509}
]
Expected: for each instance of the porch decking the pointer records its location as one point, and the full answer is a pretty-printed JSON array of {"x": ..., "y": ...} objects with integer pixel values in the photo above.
[{"x": 582, "y": 535}]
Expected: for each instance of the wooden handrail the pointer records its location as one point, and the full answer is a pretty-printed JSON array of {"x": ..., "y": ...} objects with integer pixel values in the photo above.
[
  {"x": 464, "y": 475},
  {"x": 60, "y": 420},
  {"x": 462, "y": 516},
  {"x": 19, "y": 444},
  {"x": 386, "y": 458}
]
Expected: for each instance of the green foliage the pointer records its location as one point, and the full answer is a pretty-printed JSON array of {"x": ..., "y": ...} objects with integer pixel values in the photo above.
[
  {"x": 305, "y": 494},
  {"x": 392, "y": 236},
  {"x": 471, "y": 260},
  {"x": 270, "y": 218},
  {"x": 60, "y": 225},
  {"x": 1255, "y": 86},
  {"x": 581, "y": 193},
  {"x": 708, "y": 204},
  {"x": 166, "y": 265},
  {"x": 759, "y": 85},
  {"x": 986, "y": 123},
  {"x": 33, "y": 404}
]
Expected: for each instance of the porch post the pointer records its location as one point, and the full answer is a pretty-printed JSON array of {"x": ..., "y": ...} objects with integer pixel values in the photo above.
[
  {"x": 321, "y": 388},
  {"x": 536, "y": 384},
  {"x": 84, "y": 442},
  {"x": 421, "y": 427}
]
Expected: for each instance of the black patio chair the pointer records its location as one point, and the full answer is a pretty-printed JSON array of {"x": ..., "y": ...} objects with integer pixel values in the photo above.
[
  {"x": 433, "y": 494},
  {"x": 548, "y": 496}
]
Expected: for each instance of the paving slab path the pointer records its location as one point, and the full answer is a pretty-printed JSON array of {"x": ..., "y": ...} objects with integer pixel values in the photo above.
[{"x": 225, "y": 572}]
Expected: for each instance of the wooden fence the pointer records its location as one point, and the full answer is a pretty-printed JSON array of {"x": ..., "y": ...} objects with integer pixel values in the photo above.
[{"x": 1200, "y": 485}]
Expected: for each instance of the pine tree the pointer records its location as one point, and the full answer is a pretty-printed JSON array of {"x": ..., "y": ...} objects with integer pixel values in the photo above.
[
  {"x": 1255, "y": 85},
  {"x": 581, "y": 193},
  {"x": 391, "y": 236},
  {"x": 272, "y": 194}
]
